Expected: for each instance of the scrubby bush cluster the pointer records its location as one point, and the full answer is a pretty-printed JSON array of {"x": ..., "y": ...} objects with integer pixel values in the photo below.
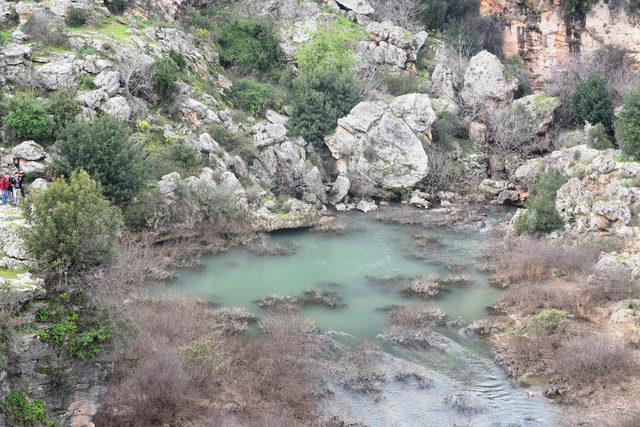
[
  {"x": 592, "y": 103},
  {"x": 627, "y": 127},
  {"x": 252, "y": 45},
  {"x": 541, "y": 216},
  {"x": 326, "y": 87},
  {"x": 73, "y": 227},
  {"x": 103, "y": 149},
  {"x": 255, "y": 97}
]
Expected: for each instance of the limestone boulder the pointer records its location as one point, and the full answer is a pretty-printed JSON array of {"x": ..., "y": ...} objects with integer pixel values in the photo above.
[
  {"x": 28, "y": 150},
  {"x": 58, "y": 75},
  {"x": 117, "y": 107},
  {"x": 485, "y": 87}
]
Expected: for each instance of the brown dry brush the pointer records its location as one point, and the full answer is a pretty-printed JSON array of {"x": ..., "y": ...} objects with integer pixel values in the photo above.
[
  {"x": 178, "y": 366},
  {"x": 533, "y": 260}
]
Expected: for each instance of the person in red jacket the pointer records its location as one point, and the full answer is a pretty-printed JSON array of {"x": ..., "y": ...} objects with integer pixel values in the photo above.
[{"x": 4, "y": 187}]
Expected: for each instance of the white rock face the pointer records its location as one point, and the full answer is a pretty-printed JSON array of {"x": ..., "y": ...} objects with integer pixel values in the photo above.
[
  {"x": 58, "y": 75},
  {"x": 265, "y": 134},
  {"x": 117, "y": 107},
  {"x": 379, "y": 142},
  {"x": 109, "y": 81},
  {"x": 92, "y": 99},
  {"x": 485, "y": 86},
  {"x": 340, "y": 189},
  {"x": 28, "y": 150}
]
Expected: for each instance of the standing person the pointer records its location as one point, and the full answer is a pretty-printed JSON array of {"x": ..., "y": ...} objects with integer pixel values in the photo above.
[
  {"x": 18, "y": 186},
  {"x": 4, "y": 187},
  {"x": 10, "y": 188}
]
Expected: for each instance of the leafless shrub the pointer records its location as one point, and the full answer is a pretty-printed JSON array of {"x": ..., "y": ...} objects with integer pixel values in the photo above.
[
  {"x": 610, "y": 285},
  {"x": 403, "y": 13},
  {"x": 612, "y": 64},
  {"x": 531, "y": 297},
  {"x": 513, "y": 129},
  {"x": 533, "y": 354},
  {"x": 536, "y": 260},
  {"x": 47, "y": 28},
  {"x": 28, "y": 79},
  {"x": 178, "y": 366},
  {"x": 136, "y": 74},
  {"x": 264, "y": 246},
  {"x": 323, "y": 297},
  {"x": 415, "y": 317},
  {"x": 594, "y": 359},
  {"x": 278, "y": 372},
  {"x": 363, "y": 374},
  {"x": 232, "y": 320},
  {"x": 442, "y": 173}
]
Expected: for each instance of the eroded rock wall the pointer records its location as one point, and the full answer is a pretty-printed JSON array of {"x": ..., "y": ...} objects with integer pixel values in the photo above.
[{"x": 544, "y": 37}]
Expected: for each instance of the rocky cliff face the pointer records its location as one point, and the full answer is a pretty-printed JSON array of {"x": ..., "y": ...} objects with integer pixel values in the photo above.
[{"x": 544, "y": 37}]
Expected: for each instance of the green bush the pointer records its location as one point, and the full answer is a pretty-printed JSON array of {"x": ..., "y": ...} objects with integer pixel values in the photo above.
[
  {"x": 627, "y": 126},
  {"x": 447, "y": 127},
  {"x": 236, "y": 143},
  {"x": 164, "y": 76},
  {"x": 256, "y": 97},
  {"x": 22, "y": 412},
  {"x": 598, "y": 138},
  {"x": 249, "y": 44},
  {"x": 435, "y": 14},
  {"x": 550, "y": 319},
  {"x": 142, "y": 208},
  {"x": 514, "y": 67},
  {"x": 541, "y": 216},
  {"x": 398, "y": 84},
  {"x": 27, "y": 119},
  {"x": 72, "y": 226},
  {"x": 326, "y": 87},
  {"x": 330, "y": 48},
  {"x": 592, "y": 103},
  {"x": 76, "y": 17},
  {"x": 173, "y": 156},
  {"x": 89, "y": 344},
  {"x": 178, "y": 59},
  {"x": 576, "y": 9},
  {"x": 63, "y": 108},
  {"x": 319, "y": 100},
  {"x": 103, "y": 149},
  {"x": 117, "y": 6}
]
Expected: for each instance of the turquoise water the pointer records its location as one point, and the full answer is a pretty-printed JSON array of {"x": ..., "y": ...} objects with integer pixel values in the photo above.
[
  {"x": 348, "y": 265},
  {"x": 345, "y": 265}
]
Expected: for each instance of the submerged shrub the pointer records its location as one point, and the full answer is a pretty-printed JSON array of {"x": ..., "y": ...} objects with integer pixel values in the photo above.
[
  {"x": 73, "y": 227},
  {"x": 627, "y": 126},
  {"x": 249, "y": 44},
  {"x": 541, "y": 216}
]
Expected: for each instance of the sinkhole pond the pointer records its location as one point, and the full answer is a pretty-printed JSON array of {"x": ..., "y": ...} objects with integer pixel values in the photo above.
[{"x": 366, "y": 269}]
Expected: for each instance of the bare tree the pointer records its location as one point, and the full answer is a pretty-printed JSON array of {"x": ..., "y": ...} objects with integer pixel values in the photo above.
[
  {"x": 441, "y": 172},
  {"x": 136, "y": 74},
  {"x": 403, "y": 13},
  {"x": 513, "y": 129}
]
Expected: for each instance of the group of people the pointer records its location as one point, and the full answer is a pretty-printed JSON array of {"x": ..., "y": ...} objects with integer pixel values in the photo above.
[{"x": 12, "y": 187}]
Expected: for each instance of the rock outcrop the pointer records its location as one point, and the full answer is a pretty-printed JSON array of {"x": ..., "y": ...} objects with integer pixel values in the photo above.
[
  {"x": 379, "y": 145},
  {"x": 545, "y": 38}
]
